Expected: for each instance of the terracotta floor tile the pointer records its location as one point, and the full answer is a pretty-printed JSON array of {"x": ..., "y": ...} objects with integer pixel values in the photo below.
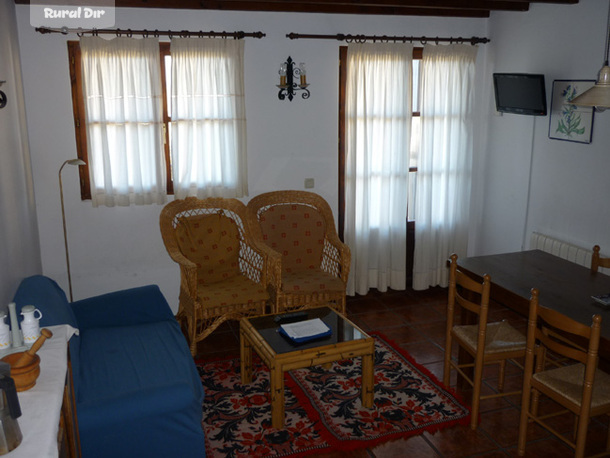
[
  {"x": 359, "y": 321},
  {"x": 380, "y": 319},
  {"x": 485, "y": 405},
  {"x": 421, "y": 313},
  {"x": 405, "y": 334},
  {"x": 491, "y": 371},
  {"x": 503, "y": 427},
  {"x": 424, "y": 352},
  {"x": 512, "y": 383},
  {"x": 415, "y": 446},
  {"x": 564, "y": 423},
  {"x": 437, "y": 369},
  {"x": 396, "y": 302},
  {"x": 550, "y": 447},
  {"x": 435, "y": 331},
  {"x": 219, "y": 343},
  {"x": 494, "y": 454},
  {"x": 460, "y": 441},
  {"x": 596, "y": 436},
  {"x": 364, "y": 305}
]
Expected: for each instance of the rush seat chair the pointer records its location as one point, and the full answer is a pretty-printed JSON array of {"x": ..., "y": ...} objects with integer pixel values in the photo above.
[
  {"x": 487, "y": 343},
  {"x": 597, "y": 261},
  {"x": 579, "y": 386}
]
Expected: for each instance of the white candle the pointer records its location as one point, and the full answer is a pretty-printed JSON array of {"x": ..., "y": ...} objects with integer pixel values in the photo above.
[
  {"x": 303, "y": 74},
  {"x": 17, "y": 340}
]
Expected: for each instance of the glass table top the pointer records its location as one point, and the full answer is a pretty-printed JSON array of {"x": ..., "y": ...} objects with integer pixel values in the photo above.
[{"x": 343, "y": 330}]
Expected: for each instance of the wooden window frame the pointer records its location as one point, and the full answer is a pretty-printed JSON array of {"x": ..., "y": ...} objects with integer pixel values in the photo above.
[{"x": 80, "y": 127}]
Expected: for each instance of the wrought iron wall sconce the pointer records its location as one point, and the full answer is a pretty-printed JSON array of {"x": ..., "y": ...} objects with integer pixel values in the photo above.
[
  {"x": 288, "y": 74},
  {"x": 2, "y": 96}
]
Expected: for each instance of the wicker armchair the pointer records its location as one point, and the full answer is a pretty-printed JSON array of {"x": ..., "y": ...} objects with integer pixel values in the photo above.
[
  {"x": 315, "y": 263},
  {"x": 223, "y": 269}
]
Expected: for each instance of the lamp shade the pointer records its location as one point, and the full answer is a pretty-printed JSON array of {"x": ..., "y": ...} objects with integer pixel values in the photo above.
[{"x": 598, "y": 95}]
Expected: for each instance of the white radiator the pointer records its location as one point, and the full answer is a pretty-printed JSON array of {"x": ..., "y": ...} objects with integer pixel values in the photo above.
[{"x": 563, "y": 249}]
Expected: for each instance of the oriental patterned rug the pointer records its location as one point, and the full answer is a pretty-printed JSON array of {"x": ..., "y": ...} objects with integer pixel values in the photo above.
[{"x": 323, "y": 406}]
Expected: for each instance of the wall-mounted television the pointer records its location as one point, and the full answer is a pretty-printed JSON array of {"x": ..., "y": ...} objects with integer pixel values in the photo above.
[{"x": 520, "y": 93}]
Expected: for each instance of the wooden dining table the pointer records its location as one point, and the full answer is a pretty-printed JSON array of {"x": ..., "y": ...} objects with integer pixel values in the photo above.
[{"x": 563, "y": 285}]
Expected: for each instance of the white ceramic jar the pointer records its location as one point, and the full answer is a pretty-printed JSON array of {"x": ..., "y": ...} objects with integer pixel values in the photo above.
[
  {"x": 5, "y": 333},
  {"x": 30, "y": 326}
]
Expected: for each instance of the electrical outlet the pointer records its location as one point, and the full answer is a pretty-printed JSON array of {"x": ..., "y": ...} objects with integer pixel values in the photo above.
[{"x": 309, "y": 183}]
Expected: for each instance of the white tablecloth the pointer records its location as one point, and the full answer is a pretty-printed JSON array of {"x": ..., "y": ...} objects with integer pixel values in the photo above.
[{"x": 41, "y": 405}]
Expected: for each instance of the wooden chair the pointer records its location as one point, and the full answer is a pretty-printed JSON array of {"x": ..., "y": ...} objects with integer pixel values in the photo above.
[
  {"x": 223, "y": 267},
  {"x": 578, "y": 386},
  {"x": 597, "y": 261},
  {"x": 487, "y": 343},
  {"x": 315, "y": 263}
]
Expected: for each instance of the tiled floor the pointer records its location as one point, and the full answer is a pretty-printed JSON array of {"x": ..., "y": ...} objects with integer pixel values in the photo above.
[{"x": 416, "y": 321}]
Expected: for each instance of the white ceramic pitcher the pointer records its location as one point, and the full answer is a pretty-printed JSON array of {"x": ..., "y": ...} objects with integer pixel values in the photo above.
[
  {"x": 5, "y": 333},
  {"x": 30, "y": 326}
]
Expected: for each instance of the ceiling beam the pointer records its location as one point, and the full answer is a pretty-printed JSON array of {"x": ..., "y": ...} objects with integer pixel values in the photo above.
[
  {"x": 442, "y": 8},
  {"x": 561, "y": 2},
  {"x": 432, "y": 4},
  {"x": 393, "y": 8}
]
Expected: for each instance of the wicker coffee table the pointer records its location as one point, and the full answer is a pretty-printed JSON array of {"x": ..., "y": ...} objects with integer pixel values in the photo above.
[{"x": 347, "y": 341}]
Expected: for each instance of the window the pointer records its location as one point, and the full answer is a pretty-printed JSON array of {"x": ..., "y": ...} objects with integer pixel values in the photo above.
[
  {"x": 437, "y": 192},
  {"x": 208, "y": 120},
  {"x": 378, "y": 119},
  {"x": 415, "y": 135},
  {"x": 184, "y": 131}
]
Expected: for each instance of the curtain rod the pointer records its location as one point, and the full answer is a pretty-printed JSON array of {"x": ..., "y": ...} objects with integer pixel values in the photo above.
[
  {"x": 152, "y": 33},
  {"x": 384, "y": 38}
]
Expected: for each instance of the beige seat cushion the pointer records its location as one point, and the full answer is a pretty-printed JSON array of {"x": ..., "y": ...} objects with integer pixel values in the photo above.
[
  {"x": 568, "y": 381},
  {"x": 311, "y": 281},
  {"x": 211, "y": 242},
  {"x": 499, "y": 337},
  {"x": 234, "y": 290},
  {"x": 297, "y": 232}
]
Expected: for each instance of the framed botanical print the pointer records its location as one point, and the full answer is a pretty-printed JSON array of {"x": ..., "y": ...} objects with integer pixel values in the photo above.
[{"x": 570, "y": 122}]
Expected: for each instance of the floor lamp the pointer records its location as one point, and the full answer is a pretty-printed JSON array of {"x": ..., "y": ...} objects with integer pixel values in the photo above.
[{"x": 63, "y": 218}]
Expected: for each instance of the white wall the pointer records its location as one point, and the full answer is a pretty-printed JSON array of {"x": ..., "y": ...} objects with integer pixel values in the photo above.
[
  {"x": 115, "y": 248},
  {"x": 19, "y": 249},
  {"x": 569, "y": 195}
]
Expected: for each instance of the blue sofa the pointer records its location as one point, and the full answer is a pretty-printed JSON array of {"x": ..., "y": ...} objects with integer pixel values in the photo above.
[{"x": 136, "y": 386}]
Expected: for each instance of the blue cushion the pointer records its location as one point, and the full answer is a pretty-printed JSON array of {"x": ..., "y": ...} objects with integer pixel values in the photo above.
[
  {"x": 134, "y": 306},
  {"x": 157, "y": 422},
  {"x": 46, "y": 295},
  {"x": 144, "y": 382},
  {"x": 128, "y": 359}
]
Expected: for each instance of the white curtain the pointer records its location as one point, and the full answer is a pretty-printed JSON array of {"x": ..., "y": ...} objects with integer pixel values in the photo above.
[
  {"x": 378, "y": 113},
  {"x": 442, "y": 200},
  {"x": 123, "y": 105},
  {"x": 208, "y": 118},
  {"x": 20, "y": 254}
]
